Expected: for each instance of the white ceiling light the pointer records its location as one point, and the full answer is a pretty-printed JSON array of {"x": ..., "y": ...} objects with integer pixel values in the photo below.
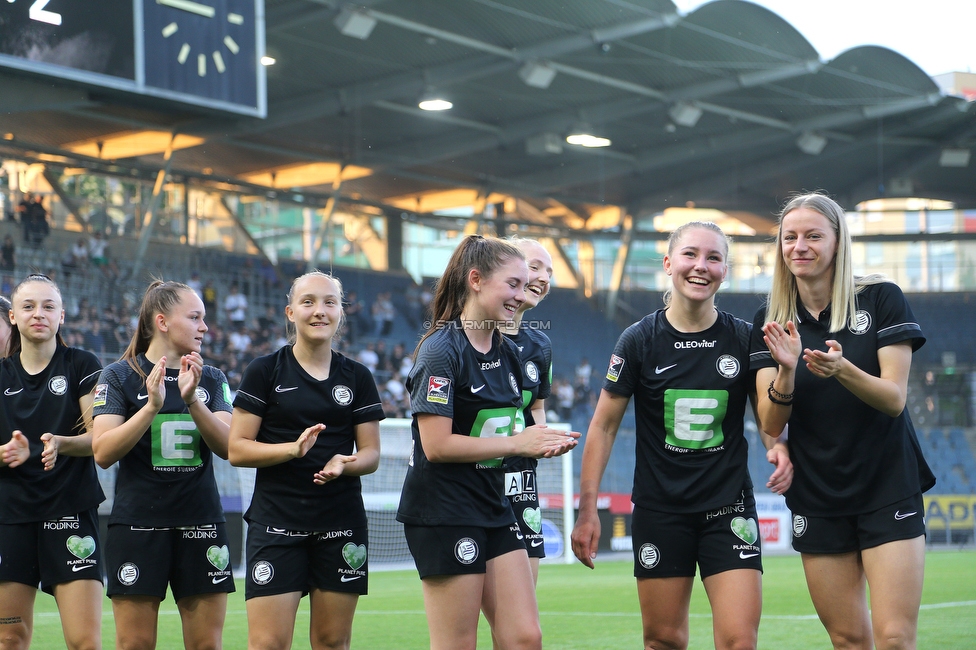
[
  {"x": 431, "y": 100},
  {"x": 354, "y": 23},
  {"x": 537, "y": 75},
  {"x": 582, "y": 135},
  {"x": 685, "y": 114},
  {"x": 954, "y": 158},
  {"x": 268, "y": 60},
  {"x": 811, "y": 143}
]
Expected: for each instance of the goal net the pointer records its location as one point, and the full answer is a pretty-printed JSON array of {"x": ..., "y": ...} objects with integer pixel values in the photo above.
[{"x": 381, "y": 496}]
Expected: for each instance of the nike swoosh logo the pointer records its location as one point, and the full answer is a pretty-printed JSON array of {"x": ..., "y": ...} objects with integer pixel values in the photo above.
[
  {"x": 279, "y": 389},
  {"x": 899, "y": 515},
  {"x": 217, "y": 581},
  {"x": 12, "y": 392},
  {"x": 349, "y": 578},
  {"x": 76, "y": 569},
  {"x": 537, "y": 543},
  {"x": 141, "y": 396},
  {"x": 745, "y": 556},
  {"x": 478, "y": 389},
  {"x": 658, "y": 370}
]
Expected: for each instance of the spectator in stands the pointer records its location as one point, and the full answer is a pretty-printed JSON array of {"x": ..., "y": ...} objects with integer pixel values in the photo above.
[
  {"x": 8, "y": 255},
  {"x": 368, "y": 357},
  {"x": 458, "y": 524},
  {"x": 239, "y": 339},
  {"x": 209, "y": 296},
  {"x": 833, "y": 353},
  {"x": 47, "y": 475},
  {"x": 355, "y": 312},
  {"x": 24, "y": 215},
  {"x": 565, "y": 397},
  {"x": 535, "y": 351},
  {"x": 384, "y": 313},
  {"x": 693, "y": 498},
  {"x": 235, "y": 306},
  {"x": 167, "y": 527},
  {"x": 308, "y": 418},
  {"x": 195, "y": 284},
  {"x": 583, "y": 373},
  {"x": 94, "y": 339}
]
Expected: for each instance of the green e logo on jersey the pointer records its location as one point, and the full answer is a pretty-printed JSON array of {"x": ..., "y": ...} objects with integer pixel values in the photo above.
[
  {"x": 693, "y": 418},
  {"x": 493, "y": 423},
  {"x": 520, "y": 413},
  {"x": 175, "y": 441}
]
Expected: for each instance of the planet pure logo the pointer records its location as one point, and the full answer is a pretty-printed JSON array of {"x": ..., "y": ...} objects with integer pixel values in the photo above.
[
  {"x": 219, "y": 556},
  {"x": 533, "y": 519},
  {"x": 354, "y": 555},
  {"x": 80, "y": 547},
  {"x": 745, "y": 529}
]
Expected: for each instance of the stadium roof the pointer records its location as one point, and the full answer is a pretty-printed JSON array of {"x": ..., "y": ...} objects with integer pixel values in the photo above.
[{"x": 727, "y": 107}]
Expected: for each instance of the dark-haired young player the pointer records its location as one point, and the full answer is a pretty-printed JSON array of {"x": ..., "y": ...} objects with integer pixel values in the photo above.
[
  {"x": 833, "y": 353},
  {"x": 49, "y": 493},
  {"x": 687, "y": 368},
  {"x": 466, "y": 390},
  {"x": 162, "y": 414},
  {"x": 535, "y": 351},
  {"x": 308, "y": 418}
]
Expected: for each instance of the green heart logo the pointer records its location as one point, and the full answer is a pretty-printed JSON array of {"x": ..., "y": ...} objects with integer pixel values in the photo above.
[
  {"x": 745, "y": 529},
  {"x": 355, "y": 556},
  {"x": 81, "y": 547},
  {"x": 533, "y": 518},
  {"x": 219, "y": 556}
]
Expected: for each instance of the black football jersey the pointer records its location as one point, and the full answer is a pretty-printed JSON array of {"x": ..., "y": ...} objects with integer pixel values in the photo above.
[
  {"x": 289, "y": 400},
  {"x": 848, "y": 457},
  {"x": 482, "y": 394},
  {"x": 535, "y": 353},
  {"x": 47, "y": 403},
  {"x": 167, "y": 478},
  {"x": 690, "y": 392}
]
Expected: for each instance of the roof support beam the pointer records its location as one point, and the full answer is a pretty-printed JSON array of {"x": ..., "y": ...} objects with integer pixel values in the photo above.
[{"x": 619, "y": 265}]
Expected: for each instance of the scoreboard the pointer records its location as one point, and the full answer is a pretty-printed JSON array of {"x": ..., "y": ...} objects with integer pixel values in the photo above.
[{"x": 201, "y": 52}]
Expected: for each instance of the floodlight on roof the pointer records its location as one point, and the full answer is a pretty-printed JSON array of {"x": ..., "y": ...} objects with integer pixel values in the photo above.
[
  {"x": 357, "y": 24},
  {"x": 432, "y": 100},
  {"x": 685, "y": 114},
  {"x": 537, "y": 75},
  {"x": 954, "y": 158},
  {"x": 811, "y": 143},
  {"x": 583, "y": 135}
]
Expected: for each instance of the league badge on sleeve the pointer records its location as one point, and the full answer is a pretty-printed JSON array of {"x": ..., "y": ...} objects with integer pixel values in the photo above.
[
  {"x": 101, "y": 395},
  {"x": 438, "y": 389},
  {"x": 616, "y": 366}
]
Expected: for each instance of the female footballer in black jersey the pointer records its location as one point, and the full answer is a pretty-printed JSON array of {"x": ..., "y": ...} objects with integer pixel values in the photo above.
[
  {"x": 308, "y": 418},
  {"x": 687, "y": 368},
  {"x": 535, "y": 351},
  {"x": 834, "y": 352},
  {"x": 162, "y": 414},
  {"x": 49, "y": 492},
  {"x": 466, "y": 390}
]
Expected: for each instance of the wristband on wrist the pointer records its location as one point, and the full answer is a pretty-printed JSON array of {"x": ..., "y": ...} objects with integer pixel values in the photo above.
[
  {"x": 189, "y": 404},
  {"x": 776, "y": 397}
]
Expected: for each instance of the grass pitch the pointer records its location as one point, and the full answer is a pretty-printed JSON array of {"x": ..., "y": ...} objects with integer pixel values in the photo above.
[{"x": 593, "y": 610}]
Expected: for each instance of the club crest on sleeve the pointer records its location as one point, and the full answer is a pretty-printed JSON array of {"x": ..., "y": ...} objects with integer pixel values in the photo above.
[
  {"x": 202, "y": 395},
  {"x": 531, "y": 371},
  {"x": 438, "y": 389},
  {"x": 514, "y": 384},
  {"x": 101, "y": 395},
  {"x": 616, "y": 366}
]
